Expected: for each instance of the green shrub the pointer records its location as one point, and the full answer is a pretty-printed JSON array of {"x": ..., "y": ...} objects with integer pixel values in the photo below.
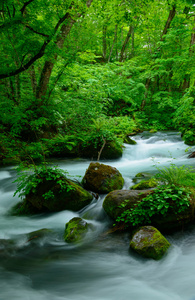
[
  {"x": 181, "y": 176},
  {"x": 28, "y": 183},
  {"x": 161, "y": 201}
]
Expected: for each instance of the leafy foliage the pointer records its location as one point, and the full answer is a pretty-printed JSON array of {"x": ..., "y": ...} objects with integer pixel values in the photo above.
[
  {"x": 178, "y": 176},
  {"x": 160, "y": 202},
  {"x": 173, "y": 196},
  {"x": 27, "y": 183}
]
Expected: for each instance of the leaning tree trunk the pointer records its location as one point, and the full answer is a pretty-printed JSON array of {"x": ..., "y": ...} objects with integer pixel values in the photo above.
[
  {"x": 48, "y": 66},
  {"x": 172, "y": 13},
  {"x": 125, "y": 43},
  {"x": 170, "y": 18},
  {"x": 114, "y": 41},
  {"x": 104, "y": 41}
]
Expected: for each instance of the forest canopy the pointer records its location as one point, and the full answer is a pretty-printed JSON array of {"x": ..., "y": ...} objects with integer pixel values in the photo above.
[{"x": 78, "y": 74}]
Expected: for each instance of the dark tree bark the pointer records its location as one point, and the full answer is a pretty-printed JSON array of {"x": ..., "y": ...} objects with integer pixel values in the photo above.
[
  {"x": 48, "y": 66},
  {"x": 125, "y": 43},
  {"x": 114, "y": 41},
  {"x": 33, "y": 79},
  {"x": 104, "y": 41},
  {"x": 170, "y": 18},
  {"x": 65, "y": 28},
  {"x": 172, "y": 13}
]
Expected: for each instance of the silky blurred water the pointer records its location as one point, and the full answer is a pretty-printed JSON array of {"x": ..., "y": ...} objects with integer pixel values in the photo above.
[{"x": 102, "y": 267}]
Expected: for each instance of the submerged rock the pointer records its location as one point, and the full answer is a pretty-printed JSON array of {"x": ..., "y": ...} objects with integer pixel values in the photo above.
[
  {"x": 192, "y": 155},
  {"x": 129, "y": 141},
  {"x": 38, "y": 234},
  {"x": 75, "y": 230},
  {"x": 149, "y": 242},
  {"x": 102, "y": 178}
]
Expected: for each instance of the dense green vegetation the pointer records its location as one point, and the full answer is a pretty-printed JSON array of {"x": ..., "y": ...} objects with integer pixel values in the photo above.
[
  {"x": 85, "y": 73},
  {"x": 172, "y": 196}
]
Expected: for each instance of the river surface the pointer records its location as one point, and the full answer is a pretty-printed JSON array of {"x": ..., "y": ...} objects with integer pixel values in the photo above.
[{"x": 102, "y": 267}]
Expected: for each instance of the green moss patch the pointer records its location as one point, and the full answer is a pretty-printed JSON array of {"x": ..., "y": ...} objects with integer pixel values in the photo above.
[{"x": 149, "y": 242}]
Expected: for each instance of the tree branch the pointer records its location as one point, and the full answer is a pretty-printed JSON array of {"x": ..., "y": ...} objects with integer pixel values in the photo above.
[
  {"x": 39, "y": 33},
  {"x": 39, "y": 54},
  {"x": 25, "y": 5}
]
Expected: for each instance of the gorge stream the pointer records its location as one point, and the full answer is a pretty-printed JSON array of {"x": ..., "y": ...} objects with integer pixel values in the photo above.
[{"x": 102, "y": 267}]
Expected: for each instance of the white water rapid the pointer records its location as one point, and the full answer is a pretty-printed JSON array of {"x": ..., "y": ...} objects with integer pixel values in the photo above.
[{"x": 102, "y": 268}]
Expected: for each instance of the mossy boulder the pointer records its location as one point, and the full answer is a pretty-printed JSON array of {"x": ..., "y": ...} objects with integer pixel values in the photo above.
[
  {"x": 129, "y": 141},
  {"x": 149, "y": 242},
  {"x": 111, "y": 150},
  {"x": 169, "y": 222},
  {"x": 75, "y": 230},
  {"x": 23, "y": 208},
  {"x": 153, "y": 130},
  {"x": 101, "y": 178},
  {"x": 112, "y": 202},
  {"x": 53, "y": 195},
  {"x": 173, "y": 221},
  {"x": 50, "y": 196},
  {"x": 145, "y": 184}
]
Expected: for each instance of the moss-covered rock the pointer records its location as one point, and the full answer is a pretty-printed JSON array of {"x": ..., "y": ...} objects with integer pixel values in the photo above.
[
  {"x": 173, "y": 221},
  {"x": 129, "y": 141},
  {"x": 53, "y": 195},
  {"x": 169, "y": 222},
  {"x": 50, "y": 196},
  {"x": 101, "y": 178},
  {"x": 145, "y": 184},
  {"x": 112, "y": 202},
  {"x": 153, "y": 130},
  {"x": 75, "y": 230},
  {"x": 23, "y": 208},
  {"x": 149, "y": 242},
  {"x": 38, "y": 234}
]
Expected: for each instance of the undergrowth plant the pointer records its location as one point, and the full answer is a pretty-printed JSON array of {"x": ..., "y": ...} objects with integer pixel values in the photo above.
[
  {"x": 28, "y": 183},
  {"x": 173, "y": 195},
  {"x": 167, "y": 198},
  {"x": 180, "y": 176}
]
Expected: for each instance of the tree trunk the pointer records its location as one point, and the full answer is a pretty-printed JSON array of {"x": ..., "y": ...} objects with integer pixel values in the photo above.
[
  {"x": 146, "y": 93},
  {"x": 125, "y": 43},
  {"x": 192, "y": 41},
  {"x": 104, "y": 42},
  {"x": 48, "y": 66},
  {"x": 133, "y": 42},
  {"x": 33, "y": 79},
  {"x": 172, "y": 13},
  {"x": 114, "y": 41}
]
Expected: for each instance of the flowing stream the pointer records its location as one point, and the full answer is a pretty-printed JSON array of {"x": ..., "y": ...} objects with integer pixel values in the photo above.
[{"x": 102, "y": 267}]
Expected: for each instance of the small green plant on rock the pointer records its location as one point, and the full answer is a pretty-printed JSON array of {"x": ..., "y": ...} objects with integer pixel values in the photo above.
[
  {"x": 167, "y": 198},
  {"x": 28, "y": 183}
]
